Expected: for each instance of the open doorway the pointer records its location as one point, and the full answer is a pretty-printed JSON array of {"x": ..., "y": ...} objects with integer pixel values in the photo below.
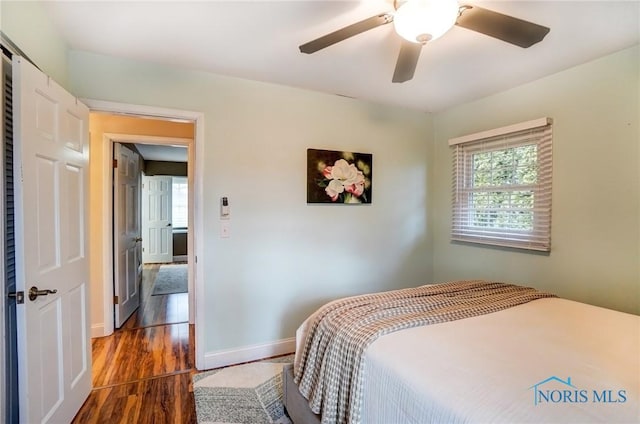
[
  {"x": 117, "y": 242},
  {"x": 101, "y": 224},
  {"x": 126, "y": 150},
  {"x": 150, "y": 233},
  {"x": 155, "y": 344},
  {"x": 109, "y": 132}
]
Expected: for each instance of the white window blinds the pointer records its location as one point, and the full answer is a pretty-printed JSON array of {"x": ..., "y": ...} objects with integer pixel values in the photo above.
[{"x": 502, "y": 186}]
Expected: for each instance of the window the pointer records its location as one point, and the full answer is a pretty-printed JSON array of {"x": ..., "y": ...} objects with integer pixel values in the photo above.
[
  {"x": 179, "y": 202},
  {"x": 502, "y": 186}
]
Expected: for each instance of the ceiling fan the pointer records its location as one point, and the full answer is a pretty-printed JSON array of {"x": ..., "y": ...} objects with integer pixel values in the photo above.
[{"x": 421, "y": 21}]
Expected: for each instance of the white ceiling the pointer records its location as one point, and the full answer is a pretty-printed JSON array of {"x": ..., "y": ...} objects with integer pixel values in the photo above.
[
  {"x": 259, "y": 40},
  {"x": 163, "y": 153}
]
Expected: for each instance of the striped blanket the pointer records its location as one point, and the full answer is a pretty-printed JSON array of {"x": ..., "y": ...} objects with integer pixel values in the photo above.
[{"x": 330, "y": 371}]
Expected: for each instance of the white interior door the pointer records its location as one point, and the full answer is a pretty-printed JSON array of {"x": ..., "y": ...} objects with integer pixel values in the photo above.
[
  {"x": 126, "y": 233},
  {"x": 157, "y": 232},
  {"x": 50, "y": 170}
]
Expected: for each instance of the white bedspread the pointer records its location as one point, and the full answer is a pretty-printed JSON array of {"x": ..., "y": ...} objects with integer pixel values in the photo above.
[{"x": 485, "y": 369}]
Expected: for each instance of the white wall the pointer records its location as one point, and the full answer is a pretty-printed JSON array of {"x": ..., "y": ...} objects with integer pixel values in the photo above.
[
  {"x": 595, "y": 254},
  {"x": 28, "y": 26},
  {"x": 285, "y": 257}
]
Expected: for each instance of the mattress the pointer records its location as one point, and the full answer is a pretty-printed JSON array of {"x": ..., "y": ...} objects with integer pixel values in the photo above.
[{"x": 549, "y": 360}]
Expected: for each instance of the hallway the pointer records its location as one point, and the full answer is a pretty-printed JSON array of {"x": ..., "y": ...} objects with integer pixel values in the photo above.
[{"x": 142, "y": 372}]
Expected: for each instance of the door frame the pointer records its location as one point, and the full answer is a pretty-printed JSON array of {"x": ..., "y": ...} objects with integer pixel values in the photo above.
[{"x": 195, "y": 242}]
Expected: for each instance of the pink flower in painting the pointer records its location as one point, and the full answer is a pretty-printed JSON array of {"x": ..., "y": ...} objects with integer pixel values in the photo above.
[
  {"x": 343, "y": 171},
  {"x": 334, "y": 189},
  {"x": 356, "y": 189},
  {"x": 343, "y": 177}
]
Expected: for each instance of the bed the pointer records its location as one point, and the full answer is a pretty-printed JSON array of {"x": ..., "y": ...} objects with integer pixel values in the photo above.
[{"x": 543, "y": 359}]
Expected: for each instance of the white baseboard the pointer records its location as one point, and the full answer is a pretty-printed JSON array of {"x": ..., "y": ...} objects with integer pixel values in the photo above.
[
  {"x": 223, "y": 358},
  {"x": 97, "y": 330}
]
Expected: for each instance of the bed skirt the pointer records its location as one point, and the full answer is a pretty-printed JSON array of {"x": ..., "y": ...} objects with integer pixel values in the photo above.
[{"x": 297, "y": 406}]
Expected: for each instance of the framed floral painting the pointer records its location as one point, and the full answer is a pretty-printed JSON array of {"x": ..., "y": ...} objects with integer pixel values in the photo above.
[{"x": 338, "y": 177}]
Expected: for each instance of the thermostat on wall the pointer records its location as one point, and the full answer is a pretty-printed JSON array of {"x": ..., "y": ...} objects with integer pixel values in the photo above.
[{"x": 225, "y": 211}]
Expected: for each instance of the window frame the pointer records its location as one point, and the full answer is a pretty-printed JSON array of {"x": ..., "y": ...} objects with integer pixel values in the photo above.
[
  {"x": 175, "y": 181},
  {"x": 464, "y": 215}
]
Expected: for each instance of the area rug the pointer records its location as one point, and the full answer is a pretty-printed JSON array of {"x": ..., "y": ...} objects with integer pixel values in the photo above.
[
  {"x": 242, "y": 394},
  {"x": 170, "y": 279}
]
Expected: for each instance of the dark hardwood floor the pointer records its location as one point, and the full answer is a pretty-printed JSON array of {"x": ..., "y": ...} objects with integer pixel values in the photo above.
[{"x": 142, "y": 372}]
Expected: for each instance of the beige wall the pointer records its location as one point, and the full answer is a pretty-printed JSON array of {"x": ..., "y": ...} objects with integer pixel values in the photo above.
[
  {"x": 595, "y": 253},
  {"x": 99, "y": 124},
  {"x": 109, "y": 123}
]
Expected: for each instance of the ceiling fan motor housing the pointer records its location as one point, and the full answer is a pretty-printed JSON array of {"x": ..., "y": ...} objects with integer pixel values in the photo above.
[{"x": 420, "y": 21}]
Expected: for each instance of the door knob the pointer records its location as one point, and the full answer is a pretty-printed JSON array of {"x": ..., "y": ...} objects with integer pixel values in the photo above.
[
  {"x": 137, "y": 239},
  {"x": 34, "y": 292}
]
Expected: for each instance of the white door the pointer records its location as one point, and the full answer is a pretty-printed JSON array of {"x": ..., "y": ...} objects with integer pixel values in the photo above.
[
  {"x": 126, "y": 233},
  {"x": 51, "y": 155},
  {"x": 157, "y": 232}
]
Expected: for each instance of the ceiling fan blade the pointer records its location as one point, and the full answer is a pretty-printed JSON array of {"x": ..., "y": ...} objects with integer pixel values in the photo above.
[
  {"x": 407, "y": 61},
  {"x": 346, "y": 32},
  {"x": 503, "y": 27}
]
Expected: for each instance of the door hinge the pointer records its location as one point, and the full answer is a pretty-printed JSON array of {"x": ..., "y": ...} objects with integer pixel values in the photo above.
[
  {"x": 116, "y": 301},
  {"x": 18, "y": 296},
  {"x": 115, "y": 163}
]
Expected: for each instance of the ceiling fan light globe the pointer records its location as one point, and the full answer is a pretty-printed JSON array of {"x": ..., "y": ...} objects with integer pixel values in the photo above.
[{"x": 419, "y": 20}]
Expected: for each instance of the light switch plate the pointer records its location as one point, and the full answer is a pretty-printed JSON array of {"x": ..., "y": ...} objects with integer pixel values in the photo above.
[{"x": 225, "y": 230}]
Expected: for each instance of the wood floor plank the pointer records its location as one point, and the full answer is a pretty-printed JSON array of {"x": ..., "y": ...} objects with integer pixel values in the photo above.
[
  {"x": 145, "y": 352},
  {"x": 142, "y": 372},
  {"x": 157, "y": 310},
  {"x": 166, "y": 399}
]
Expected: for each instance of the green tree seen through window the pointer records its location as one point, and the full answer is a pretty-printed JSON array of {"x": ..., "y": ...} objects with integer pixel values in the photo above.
[{"x": 502, "y": 195}]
